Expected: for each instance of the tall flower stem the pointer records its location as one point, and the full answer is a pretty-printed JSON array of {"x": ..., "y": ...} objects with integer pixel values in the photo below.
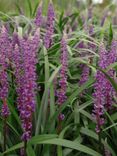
[
  {"x": 99, "y": 138},
  {"x": 4, "y": 134},
  {"x": 59, "y": 128},
  {"x": 25, "y": 146},
  {"x": 101, "y": 147}
]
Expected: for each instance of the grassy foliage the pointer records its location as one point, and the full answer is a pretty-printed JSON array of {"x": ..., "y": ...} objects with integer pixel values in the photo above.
[{"x": 77, "y": 136}]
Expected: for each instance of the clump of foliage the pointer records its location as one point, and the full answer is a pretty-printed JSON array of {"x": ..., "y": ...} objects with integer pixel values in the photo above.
[{"x": 58, "y": 83}]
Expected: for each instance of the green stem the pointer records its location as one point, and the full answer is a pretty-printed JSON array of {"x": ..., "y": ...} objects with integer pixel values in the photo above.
[
  {"x": 25, "y": 146},
  {"x": 100, "y": 142},
  {"x": 4, "y": 134}
]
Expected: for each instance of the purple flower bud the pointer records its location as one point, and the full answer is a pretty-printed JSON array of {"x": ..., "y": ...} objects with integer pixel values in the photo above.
[
  {"x": 81, "y": 45},
  {"x": 5, "y": 44},
  {"x": 26, "y": 136},
  {"x": 61, "y": 117},
  {"x": 5, "y": 110}
]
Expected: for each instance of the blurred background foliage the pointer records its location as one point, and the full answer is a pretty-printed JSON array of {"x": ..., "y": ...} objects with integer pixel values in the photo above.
[
  {"x": 12, "y": 6},
  {"x": 9, "y": 8}
]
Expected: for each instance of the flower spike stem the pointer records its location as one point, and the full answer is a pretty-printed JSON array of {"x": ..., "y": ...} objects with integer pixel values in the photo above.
[
  {"x": 25, "y": 146},
  {"x": 4, "y": 135},
  {"x": 100, "y": 142}
]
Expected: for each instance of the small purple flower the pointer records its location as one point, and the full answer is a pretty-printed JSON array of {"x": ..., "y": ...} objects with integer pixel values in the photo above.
[
  {"x": 61, "y": 117},
  {"x": 50, "y": 26},
  {"x": 81, "y": 45},
  {"x": 5, "y": 44},
  {"x": 39, "y": 18},
  {"x": 5, "y": 110}
]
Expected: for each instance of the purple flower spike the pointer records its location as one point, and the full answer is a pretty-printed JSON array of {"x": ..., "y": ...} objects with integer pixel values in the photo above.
[
  {"x": 99, "y": 99},
  {"x": 63, "y": 72},
  {"x": 111, "y": 58},
  {"x": 39, "y": 18},
  {"x": 104, "y": 92},
  {"x": 25, "y": 72},
  {"x": 50, "y": 26},
  {"x": 5, "y": 50}
]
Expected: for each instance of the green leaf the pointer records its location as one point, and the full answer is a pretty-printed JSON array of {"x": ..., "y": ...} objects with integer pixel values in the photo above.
[
  {"x": 20, "y": 145},
  {"x": 92, "y": 134},
  {"x": 40, "y": 138},
  {"x": 52, "y": 107},
  {"x": 109, "y": 117},
  {"x": 30, "y": 151},
  {"x": 109, "y": 127},
  {"x": 85, "y": 113},
  {"x": 35, "y": 9},
  {"x": 45, "y": 105},
  {"x": 68, "y": 144},
  {"x": 13, "y": 111},
  {"x": 33, "y": 140},
  {"x": 30, "y": 7},
  {"x": 110, "y": 34},
  {"x": 84, "y": 105},
  {"x": 43, "y": 99},
  {"x": 75, "y": 93},
  {"x": 114, "y": 116}
]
